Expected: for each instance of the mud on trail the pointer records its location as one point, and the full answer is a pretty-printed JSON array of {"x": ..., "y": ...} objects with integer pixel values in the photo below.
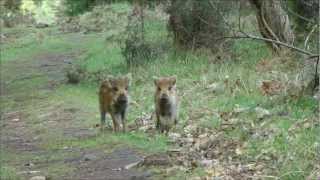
[{"x": 35, "y": 126}]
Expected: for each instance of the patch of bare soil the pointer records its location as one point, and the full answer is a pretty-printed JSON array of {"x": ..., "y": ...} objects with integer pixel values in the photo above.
[
  {"x": 113, "y": 166},
  {"x": 17, "y": 132},
  {"x": 18, "y": 137}
]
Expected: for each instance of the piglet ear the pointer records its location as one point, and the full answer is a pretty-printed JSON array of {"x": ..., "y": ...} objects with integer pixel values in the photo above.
[
  {"x": 173, "y": 79},
  {"x": 155, "y": 80},
  {"x": 111, "y": 80},
  {"x": 106, "y": 84},
  {"x": 110, "y": 77},
  {"x": 128, "y": 78}
]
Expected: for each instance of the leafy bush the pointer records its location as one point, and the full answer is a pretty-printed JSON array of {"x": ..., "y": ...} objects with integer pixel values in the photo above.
[
  {"x": 135, "y": 49},
  {"x": 75, "y": 74},
  {"x": 10, "y": 14},
  {"x": 11, "y": 5},
  {"x": 308, "y": 9},
  {"x": 110, "y": 18},
  {"x": 76, "y": 7},
  {"x": 197, "y": 24},
  {"x": 106, "y": 17},
  {"x": 304, "y": 13}
]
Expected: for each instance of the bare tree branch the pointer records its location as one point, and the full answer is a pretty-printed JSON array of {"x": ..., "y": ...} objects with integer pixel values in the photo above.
[
  {"x": 244, "y": 35},
  {"x": 249, "y": 36},
  {"x": 308, "y": 36}
]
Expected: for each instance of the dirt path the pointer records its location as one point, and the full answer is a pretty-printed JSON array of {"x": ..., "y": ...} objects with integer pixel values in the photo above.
[{"x": 29, "y": 118}]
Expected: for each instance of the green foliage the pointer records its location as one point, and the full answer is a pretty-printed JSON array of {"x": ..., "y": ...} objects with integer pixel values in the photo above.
[
  {"x": 38, "y": 2},
  {"x": 29, "y": 44},
  {"x": 9, "y": 10},
  {"x": 136, "y": 50},
  {"x": 197, "y": 24},
  {"x": 11, "y": 5},
  {"x": 143, "y": 40},
  {"x": 76, "y": 7},
  {"x": 304, "y": 13},
  {"x": 308, "y": 9}
]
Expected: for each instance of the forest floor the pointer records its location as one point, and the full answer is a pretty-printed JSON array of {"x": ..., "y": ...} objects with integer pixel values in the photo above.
[{"x": 230, "y": 126}]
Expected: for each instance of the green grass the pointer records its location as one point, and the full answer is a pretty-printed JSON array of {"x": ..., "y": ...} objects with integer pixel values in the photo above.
[
  {"x": 121, "y": 7},
  {"x": 103, "y": 57},
  {"x": 296, "y": 154},
  {"x": 8, "y": 173},
  {"x": 28, "y": 45},
  {"x": 198, "y": 172},
  {"x": 109, "y": 141}
]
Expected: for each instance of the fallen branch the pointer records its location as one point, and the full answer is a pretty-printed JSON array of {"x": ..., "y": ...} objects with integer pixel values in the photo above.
[
  {"x": 308, "y": 36},
  {"x": 132, "y": 165},
  {"x": 249, "y": 36}
]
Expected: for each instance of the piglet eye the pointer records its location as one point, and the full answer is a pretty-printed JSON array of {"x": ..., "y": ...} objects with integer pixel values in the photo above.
[
  {"x": 159, "y": 89},
  {"x": 115, "y": 89},
  {"x": 170, "y": 87},
  {"x": 127, "y": 88}
]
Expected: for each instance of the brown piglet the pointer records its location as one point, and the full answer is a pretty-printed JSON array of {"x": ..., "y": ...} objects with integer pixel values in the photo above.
[
  {"x": 166, "y": 103},
  {"x": 114, "y": 99}
]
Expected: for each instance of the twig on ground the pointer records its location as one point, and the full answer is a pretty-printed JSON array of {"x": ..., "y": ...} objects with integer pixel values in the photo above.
[
  {"x": 249, "y": 36},
  {"x": 308, "y": 36}
]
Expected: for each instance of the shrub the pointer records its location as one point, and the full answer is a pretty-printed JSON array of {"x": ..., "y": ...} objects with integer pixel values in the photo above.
[
  {"x": 197, "y": 24},
  {"x": 10, "y": 14},
  {"x": 308, "y": 9},
  {"x": 76, "y": 7},
  {"x": 75, "y": 74},
  {"x": 135, "y": 49}
]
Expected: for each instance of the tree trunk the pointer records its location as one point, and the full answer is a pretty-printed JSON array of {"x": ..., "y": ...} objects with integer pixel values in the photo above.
[{"x": 273, "y": 22}]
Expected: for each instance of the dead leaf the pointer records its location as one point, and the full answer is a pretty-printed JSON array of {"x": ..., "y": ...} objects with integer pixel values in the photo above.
[
  {"x": 264, "y": 65},
  {"x": 271, "y": 87}
]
